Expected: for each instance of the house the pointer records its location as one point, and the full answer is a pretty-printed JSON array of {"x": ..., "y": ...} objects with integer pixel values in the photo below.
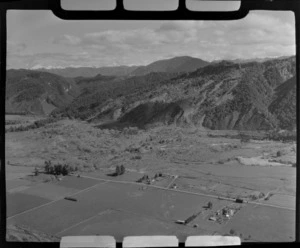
[{"x": 212, "y": 218}]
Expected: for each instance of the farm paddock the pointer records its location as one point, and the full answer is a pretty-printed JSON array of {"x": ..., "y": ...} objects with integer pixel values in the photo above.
[{"x": 185, "y": 169}]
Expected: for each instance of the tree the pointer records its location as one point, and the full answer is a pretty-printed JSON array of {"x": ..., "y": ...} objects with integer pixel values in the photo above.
[
  {"x": 122, "y": 170},
  {"x": 118, "y": 170},
  {"x": 36, "y": 171},
  {"x": 65, "y": 170},
  {"x": 58, "y": 169},
  {"x": 51, "y": 170},
  {"x": 209, "y": 205},
  {"x": 47, "y": 166}
]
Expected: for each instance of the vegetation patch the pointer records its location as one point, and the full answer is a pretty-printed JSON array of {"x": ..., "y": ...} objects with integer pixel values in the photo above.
[{"x": 34, "y": 125}]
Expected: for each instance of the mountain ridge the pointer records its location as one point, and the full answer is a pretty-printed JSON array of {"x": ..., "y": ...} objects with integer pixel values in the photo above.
[
  {"x": 226, "y": 95},
  {"x": 172, "y": 65},
  {"x": 36, "y": 92},
  {"x": 223, "y": 95}
]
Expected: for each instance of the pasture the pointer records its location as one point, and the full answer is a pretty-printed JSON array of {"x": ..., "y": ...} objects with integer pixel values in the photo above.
[
  {"x": 203, "y": 166},
  {"x": 264, "y": 224},
  {"x": 117, "y": 204},
  {"x": 19, "y": 202},
  {"x": 122, "y": 223}
]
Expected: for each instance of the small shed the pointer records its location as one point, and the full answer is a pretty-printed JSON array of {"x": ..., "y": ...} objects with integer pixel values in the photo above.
[
  {"x": 212, "y": 218},
  {"x": 70, "y": 199}
]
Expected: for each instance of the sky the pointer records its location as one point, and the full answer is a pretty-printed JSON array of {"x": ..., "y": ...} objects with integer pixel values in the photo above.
[{"x": 40, "y": 39}]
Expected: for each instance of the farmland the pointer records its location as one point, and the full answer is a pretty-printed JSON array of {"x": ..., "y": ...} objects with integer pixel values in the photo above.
[{"x": 171, "y": 174}]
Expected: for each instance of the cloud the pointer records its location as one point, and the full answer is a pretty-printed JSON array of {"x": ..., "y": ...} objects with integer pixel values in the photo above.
[
  {"x": 167, "y": 33},
  {"x": 47, "y": 59},
  {"x": 15, "y": 47},
  {"x": 67, "y": 40},
  {"x": 257, "y": 35},
  {"x": 263, "y": 29}
]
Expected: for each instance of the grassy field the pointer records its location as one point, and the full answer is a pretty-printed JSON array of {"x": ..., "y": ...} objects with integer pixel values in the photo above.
[
  {"x": 153, "y": 203},
  {"x": 15, "y": 183},
  {"x": 76, "y": 183},
  {"x": 19, "y": 202},
  {"x": 196, "y": 168},
  {"x": 264, "y": 224},
  {"x": 50, "y": 191},
  {"x": 122, "y": 223}
]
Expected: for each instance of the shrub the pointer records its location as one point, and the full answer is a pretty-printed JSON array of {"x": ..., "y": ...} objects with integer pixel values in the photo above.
[
  {"x": 244, "y": 138},
  {"x": 36, "y": 124},
  {"x": 137, "y": 157}
]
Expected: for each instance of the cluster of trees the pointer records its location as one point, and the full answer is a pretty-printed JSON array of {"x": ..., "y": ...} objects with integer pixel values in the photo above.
[
  {"x": 58, "y": 169},
  {"x": 34, "y": 125},
  {"x": 120, "y": 170},
  {"x": 143, "y": 178},
  {"x": 158, "y": 175}
]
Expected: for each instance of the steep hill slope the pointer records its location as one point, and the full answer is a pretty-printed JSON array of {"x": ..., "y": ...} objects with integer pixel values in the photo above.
[
  {"x": 37, "y": 92},
  {"x": 224, "y": 95},
  {"x": 98, "y": 97},
  {"x": 177, "y": 64},
  {"x": 284, "y": 104}
]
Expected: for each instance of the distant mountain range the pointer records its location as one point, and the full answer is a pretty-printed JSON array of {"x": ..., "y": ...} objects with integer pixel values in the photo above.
[
  {"x": 72, "y": 72},
  {"x": 242, "y": 61},
  {"x": 173, "y": 65},
  {"x": 176, "y": 64},
  {"x": 181, "y": 91}
]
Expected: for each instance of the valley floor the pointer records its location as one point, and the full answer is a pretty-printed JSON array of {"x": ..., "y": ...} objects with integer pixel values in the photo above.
[{"x": 171, "y": 174}]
